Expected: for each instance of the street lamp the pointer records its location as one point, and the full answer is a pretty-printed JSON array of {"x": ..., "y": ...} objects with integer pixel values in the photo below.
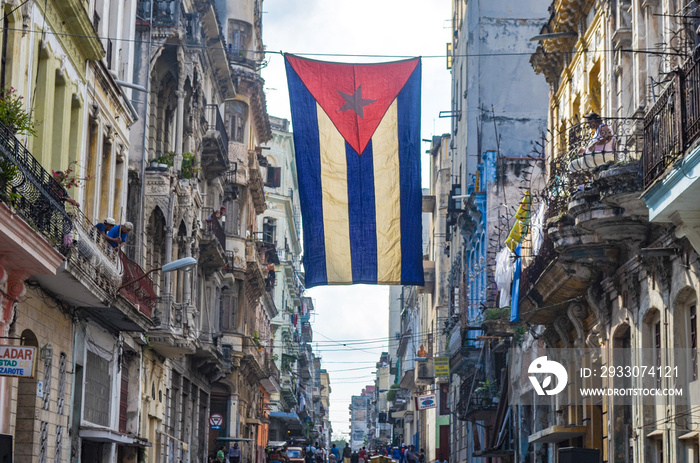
[{"x": 179, "y": 264}]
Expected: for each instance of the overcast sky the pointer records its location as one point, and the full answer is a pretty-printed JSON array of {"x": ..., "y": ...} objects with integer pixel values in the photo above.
[{"x": 394, "y": 29}]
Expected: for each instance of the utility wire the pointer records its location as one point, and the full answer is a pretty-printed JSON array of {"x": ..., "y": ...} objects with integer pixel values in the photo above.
[{"x": 352, "y": 55}]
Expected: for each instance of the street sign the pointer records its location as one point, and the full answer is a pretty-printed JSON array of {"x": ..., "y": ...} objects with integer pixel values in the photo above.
[
  {"x": 424, "y": 402},
  {"x": 215, "y": 421},
  {"x": 442, "y": 366},
  {"x": 17, "y": 361}
]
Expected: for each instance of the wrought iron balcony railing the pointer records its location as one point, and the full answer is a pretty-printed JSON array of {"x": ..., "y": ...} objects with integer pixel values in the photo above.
[
  {"x": 96, "y": 259},
  {"x": 140, "y": 291},
  {"x": 165, "y": 12},
  {"x": 672, "y": 125},
  {"x": 32, "y": 192},
  {"x": 216, "y": 122},
  {"x": 212, "y": 226},
  {"x": 577, "y": 155}
]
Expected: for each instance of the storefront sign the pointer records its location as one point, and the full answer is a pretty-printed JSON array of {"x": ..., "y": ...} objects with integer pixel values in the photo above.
[
  {"x": 424, "y": 402},
  {"x": 17, "y": 361},
  {"x": 442, "y": 366}
]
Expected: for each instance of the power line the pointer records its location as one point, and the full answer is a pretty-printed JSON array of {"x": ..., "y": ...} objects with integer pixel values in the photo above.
[{"x": 351, "y": 55}]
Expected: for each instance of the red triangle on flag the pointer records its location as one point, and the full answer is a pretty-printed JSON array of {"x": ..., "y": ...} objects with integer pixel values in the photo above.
[{"x": 354, "y": 96}]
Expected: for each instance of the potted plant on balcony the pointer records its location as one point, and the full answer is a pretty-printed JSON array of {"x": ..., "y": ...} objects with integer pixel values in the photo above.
[
  {"x": 165, "y": 160},
  {"x": 13, "y": 115},
  {"x": 189, "y": 168}
]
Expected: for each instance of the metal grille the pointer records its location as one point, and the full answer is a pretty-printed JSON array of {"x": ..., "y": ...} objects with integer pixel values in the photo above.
[
  {"x": 46, "y": 400},
  {"x": 32, "y": 191},
  {"x": 97, "y": 386},
  {"x": 59, "y": 444},
  {"x": 43, "y": 438},
  {"x": 61, "y": 390}
]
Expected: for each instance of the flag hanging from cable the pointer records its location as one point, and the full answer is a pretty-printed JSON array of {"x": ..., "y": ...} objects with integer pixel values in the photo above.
[
  {"x": 357, "y": 141},
  {"x": 517, "y": 234}
]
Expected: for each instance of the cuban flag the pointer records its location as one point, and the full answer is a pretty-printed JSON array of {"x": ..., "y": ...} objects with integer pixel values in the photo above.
[{"x": 357, "y": 142}]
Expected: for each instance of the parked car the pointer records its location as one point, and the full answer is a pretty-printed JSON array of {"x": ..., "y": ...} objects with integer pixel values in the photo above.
[{"x": 295, "y": 455}]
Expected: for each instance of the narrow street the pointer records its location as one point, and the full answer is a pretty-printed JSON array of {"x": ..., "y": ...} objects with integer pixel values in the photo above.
[{"x": 418, "y": 231}]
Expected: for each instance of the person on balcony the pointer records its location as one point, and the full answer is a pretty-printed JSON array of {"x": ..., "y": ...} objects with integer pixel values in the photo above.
[
  {"x": 119, "y": 234},
  {"x": 107, "y": 225},
  {"x": 215, "y": 216},
  {"x": 421, "y": 352},
  {"x": 603, "y": 140}
]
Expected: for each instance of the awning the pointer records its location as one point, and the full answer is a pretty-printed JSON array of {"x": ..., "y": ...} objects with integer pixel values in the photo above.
[
  {"x": 690, "y": 435},
  {"x": 658, "y": 433},
  {"x": 105, "y": 435},
  {"x": 554, "y": 434},
  {"x": 290, "y": 419}
]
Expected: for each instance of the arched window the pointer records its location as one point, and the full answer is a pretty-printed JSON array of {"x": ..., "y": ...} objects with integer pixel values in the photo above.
[{"x": 237, "y": 118}]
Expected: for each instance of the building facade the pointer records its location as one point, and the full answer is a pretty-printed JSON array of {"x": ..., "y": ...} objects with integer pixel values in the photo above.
[{"x": 161, "y": 347}]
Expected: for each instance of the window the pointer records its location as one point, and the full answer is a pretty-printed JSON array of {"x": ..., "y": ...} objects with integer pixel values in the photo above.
[
  {"x": 269, "y": 230},
  {"x": 657, "y": 351},
  {"x": 237, "y": 117},
  {"x": 273, "y": 177},
  {"x": 98, "y": 380},
  {"x": 237, "y": 38}
]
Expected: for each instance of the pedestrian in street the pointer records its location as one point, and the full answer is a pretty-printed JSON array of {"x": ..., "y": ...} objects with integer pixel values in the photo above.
[
  {"x": 421, "y": 457},
  {"x": 362, "y": 455},
  {"x": 347, "y": 453},
  {"x": 234, "y": 454},
  {"x": 335, "y": 452},
  {"x": 354, "y": 457},
  {"x": 441, "y": 459},
  {"x": 220, "y": 455}
]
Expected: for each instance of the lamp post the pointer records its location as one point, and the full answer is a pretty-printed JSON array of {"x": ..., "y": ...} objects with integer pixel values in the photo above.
[{"x": 179, "y": 264}]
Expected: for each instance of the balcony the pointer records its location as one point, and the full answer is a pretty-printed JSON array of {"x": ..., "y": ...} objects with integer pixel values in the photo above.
[
  {"x": 671, "y": 160},
  {"x": 256, "y": 278},
  {"x": 429, "y": 277},
  {"x": 168, "y": 337},
  {"x": 254, "y": 357},
  {"x": 424, "y": 372},
  {"x": 214, "y": 144},
  {"x": 307, "y": 334},
  {"x": 212, "y": 245},
  {"x": 31, "y": 192},
  {"x": 138, "y": 289},
  {"x": 255, "y": 183},
  {"x": 162, "y": 13}
]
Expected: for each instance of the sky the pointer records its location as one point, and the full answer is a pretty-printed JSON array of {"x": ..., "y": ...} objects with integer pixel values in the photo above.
[{"x": 394, "y": 29}]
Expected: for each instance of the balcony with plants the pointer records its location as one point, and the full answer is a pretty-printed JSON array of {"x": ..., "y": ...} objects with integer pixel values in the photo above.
[
  {"x": 593, "y": 216},
  {"x": 27, "y": 191},
  {"x": 93, "y": 270}
]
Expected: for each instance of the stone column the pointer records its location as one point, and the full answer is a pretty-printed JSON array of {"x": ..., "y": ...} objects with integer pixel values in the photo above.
[{"x": 179, "y": 124}]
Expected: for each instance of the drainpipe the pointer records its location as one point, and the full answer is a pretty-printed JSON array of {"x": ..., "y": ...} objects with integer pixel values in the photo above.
[{"x": 141, "y": 224}]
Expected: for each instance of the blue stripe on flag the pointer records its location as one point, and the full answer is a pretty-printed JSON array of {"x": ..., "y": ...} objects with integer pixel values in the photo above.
[
  {"x": 361, "y": 215},
  {"x": 411, "y": 194},
  {"x": 306, "y": 145},
  {"x": 515, "y": 289}
]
